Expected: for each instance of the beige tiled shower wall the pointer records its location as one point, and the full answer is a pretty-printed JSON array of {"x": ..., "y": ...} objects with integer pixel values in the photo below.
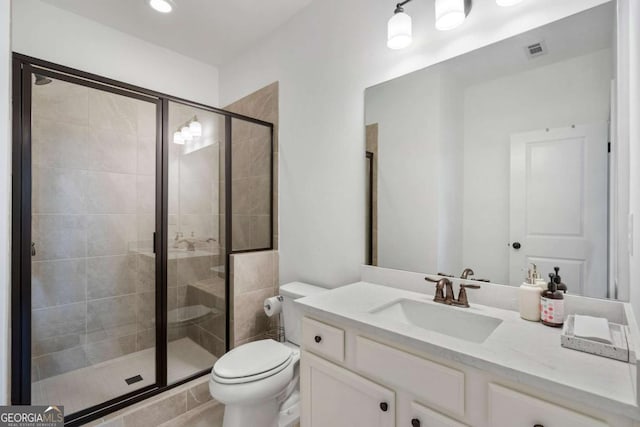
[
  {"x": 254, "y": 277},
  {"x": 93, "y": 222},
  {"x": 250, "y": 170}
]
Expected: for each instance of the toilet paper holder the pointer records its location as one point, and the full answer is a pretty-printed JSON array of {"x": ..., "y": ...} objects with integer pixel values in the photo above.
[
  {"x": 268, "y": 306},
  {"x": 276, "y": 333}
]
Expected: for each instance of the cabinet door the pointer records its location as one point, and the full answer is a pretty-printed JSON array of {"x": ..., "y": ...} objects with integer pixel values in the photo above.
[{"x": 335, "y": 397}]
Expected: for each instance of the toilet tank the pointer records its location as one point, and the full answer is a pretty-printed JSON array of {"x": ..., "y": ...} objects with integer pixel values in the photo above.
[{"x": 292, "y": 315}]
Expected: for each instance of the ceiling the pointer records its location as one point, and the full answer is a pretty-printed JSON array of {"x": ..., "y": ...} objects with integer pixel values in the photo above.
[
  {"x": 583, "y": 33},
  {"x": 211, "y": 31}
]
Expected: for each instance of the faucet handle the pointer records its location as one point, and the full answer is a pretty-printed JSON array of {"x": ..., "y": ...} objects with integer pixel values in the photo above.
[
  {"x": 440, "y": 284},
  {"x": 463, "y": 301},
  {"x": 445, "y": 275}
]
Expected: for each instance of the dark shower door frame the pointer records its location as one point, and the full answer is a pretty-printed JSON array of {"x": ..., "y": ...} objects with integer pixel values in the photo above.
[
  {"x": 22, "y": 70},
  {"x": 370, "y": 157}
]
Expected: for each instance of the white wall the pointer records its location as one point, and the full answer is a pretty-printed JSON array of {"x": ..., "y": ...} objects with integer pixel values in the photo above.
[
  {"x": 420, "y": 140},
  {"x": 633, "y": 55},
  {"x": 46, "y": 32},
  {"x": 5, "y": 194},
  {"x": 407, "y": 113},
  {"x": 324, "y": 58},
  {"x": 450, "y": 176},
  {"x": 574, "y": 91}
]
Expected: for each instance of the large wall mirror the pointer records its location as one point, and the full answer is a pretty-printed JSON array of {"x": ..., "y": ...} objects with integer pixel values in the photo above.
[{"x": 499, "y": 158}]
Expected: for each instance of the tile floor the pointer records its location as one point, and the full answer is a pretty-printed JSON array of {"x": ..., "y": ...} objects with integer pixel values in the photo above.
[
  {"x": 95, "y": 384},
  {"x": 208, "y": 415}
]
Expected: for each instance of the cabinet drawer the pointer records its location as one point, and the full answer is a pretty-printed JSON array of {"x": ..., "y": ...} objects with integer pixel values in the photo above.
[
  {"x": 508, "y": 408},
  {"x": 432, "y": 383},
  {"x": 421, "y": 416},
  {"x": 323, "y": 339}
]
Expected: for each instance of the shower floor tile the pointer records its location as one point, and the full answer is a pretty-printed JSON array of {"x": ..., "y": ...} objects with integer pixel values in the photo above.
[{"x": 89, "y": 386}]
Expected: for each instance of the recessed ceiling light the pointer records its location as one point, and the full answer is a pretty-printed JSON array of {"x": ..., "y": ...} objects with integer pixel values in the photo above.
[{"x": 162, "y": 6}]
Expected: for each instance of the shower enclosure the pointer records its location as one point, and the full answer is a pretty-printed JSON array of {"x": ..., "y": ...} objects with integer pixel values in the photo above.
[{"x": 125, "y": 212}]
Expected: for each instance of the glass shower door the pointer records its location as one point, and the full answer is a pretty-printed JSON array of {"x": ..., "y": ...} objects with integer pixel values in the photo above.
[
  {"x": 93, "y": 259},
  {"x": 196, "y": 257}
]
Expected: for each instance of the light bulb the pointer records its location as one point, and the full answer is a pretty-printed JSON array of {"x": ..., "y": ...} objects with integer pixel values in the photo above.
[
  {"x": 399, "y": 31},
  {"x": 186, "y": 133},
  {"x": 162, "y": 6},
  {"x": 449, "y": 14},
  {"x": 196, "y": 128},
  {"x": 178, "y": 138},
  {"x": 506, "y": 3}
]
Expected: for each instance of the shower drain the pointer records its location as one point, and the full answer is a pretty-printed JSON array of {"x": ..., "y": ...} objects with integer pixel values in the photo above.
[{"x": 134, "y": 379}]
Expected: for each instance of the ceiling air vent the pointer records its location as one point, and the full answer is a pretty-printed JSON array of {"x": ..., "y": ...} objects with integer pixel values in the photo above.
[{"x": 536, "y": 49}]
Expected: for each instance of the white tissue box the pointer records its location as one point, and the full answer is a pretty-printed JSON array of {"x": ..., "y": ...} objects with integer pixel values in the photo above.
[{"x": 618, "y": 350}]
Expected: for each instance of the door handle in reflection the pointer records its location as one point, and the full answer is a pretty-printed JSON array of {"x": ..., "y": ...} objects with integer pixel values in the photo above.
[{"x": 33, "y": 249}]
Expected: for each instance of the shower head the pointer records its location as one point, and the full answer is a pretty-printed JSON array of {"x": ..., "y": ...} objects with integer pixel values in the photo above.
[{"x": 42, "y": 80}]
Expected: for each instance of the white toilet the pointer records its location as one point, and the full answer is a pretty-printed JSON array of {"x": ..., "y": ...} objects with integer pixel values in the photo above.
[{"x": 258, "y": 381}]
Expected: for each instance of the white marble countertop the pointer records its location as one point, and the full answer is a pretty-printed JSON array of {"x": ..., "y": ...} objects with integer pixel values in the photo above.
[{"x": 522, "y": 351}]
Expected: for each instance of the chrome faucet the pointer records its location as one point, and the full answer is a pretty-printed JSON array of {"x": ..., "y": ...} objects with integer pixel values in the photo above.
[
  {"x": 444, "y": 292},
  {"x": 466, "y": 273}
]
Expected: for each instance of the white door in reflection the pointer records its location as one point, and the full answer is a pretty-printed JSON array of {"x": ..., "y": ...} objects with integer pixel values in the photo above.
[{"x": 558, "y": 206}]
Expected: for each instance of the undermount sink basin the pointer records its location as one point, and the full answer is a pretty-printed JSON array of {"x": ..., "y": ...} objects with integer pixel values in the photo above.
[{"x": 452, "y": 321}]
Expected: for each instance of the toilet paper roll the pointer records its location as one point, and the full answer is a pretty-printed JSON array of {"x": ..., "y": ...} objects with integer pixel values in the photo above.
[{"x": 273, "y": 305}]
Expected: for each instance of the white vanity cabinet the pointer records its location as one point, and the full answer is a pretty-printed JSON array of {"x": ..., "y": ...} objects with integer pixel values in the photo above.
[
  {"x": 336, "y": 397},
  {"x": 351, "y": 379}
]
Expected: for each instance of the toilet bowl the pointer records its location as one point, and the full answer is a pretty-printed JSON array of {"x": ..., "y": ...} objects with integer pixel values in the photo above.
[{"x": 258, "y": 381}]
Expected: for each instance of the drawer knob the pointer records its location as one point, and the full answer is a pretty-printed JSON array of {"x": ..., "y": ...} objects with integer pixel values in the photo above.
[
  {"x": 538, "y": 425},
  {"x": 384, "y": 406},
  {"x": 317, "y": 339},
  {"x": 415, "y": 422}
]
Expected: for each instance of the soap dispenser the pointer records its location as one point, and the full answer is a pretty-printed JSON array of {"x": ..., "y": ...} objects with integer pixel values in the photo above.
[
  {"x": 538, "y": 278},
  {"x": 529, "y": 297},
  {"x": 561, "y": 286},
  {"x": 552, "y": 303}
]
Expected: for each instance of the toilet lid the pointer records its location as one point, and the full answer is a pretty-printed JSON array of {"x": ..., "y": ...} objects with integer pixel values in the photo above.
[{"x": 252, "y": 359}]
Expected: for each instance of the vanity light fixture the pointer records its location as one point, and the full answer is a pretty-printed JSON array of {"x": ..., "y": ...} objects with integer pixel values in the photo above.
[
  {"x": 178, "y": 138},
  {"x": 162, "y": 6},
  {"x": 450, "y": 14},
  {"x": 506, "y": 3},
  {"x": 196, "y": 128},
  {"x": 186, "y": 133},
  {"x": 399, "y": 28}
]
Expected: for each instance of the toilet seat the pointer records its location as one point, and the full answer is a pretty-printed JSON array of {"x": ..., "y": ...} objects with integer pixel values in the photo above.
[{"x": 252, "y": 362}]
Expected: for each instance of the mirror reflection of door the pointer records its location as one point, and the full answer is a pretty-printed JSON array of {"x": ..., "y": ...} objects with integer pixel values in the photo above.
[{"x": 557, "y": 209}]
